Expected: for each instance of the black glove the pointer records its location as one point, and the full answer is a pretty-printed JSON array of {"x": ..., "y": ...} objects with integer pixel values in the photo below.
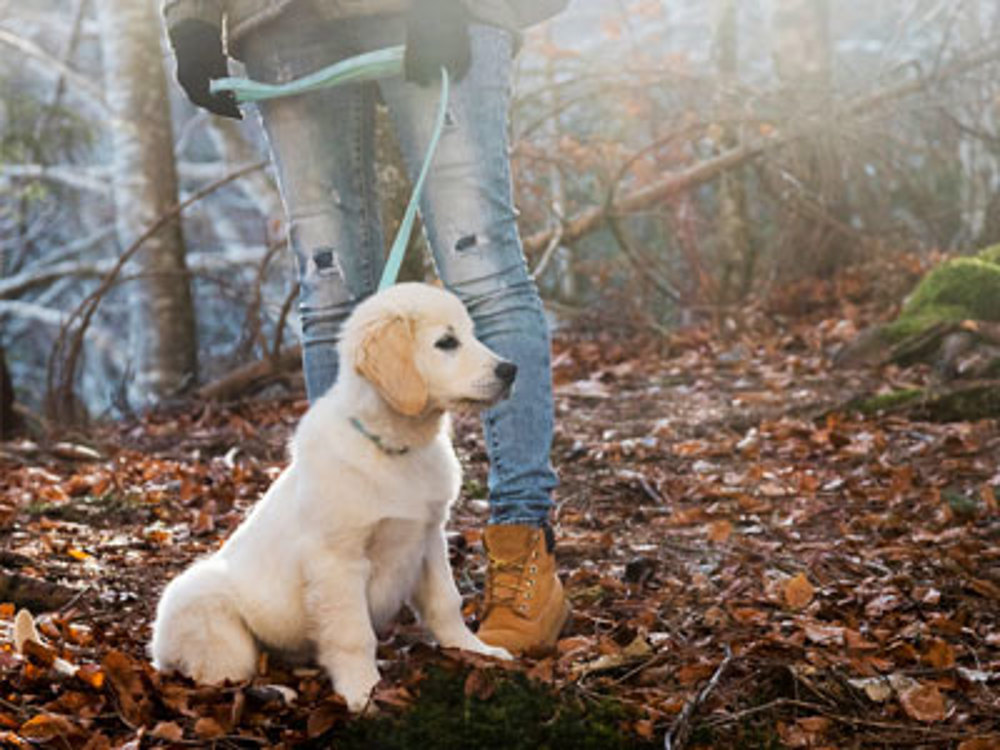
[
  {"x": 198, "y": 47},
  {"x": 437, "y": 33}
]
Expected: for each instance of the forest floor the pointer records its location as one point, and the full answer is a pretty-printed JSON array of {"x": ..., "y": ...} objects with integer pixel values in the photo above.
[{"x": 748, "y": 565}]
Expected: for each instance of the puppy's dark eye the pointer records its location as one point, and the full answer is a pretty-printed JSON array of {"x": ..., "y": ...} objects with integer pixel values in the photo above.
[{"x": 447, "y": 342}]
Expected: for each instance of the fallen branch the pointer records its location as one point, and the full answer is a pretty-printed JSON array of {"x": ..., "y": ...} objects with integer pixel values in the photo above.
[
  {"x": 250, "y": 377},
  {"x": 962, "y": 402},
  {"x": 595, "y": 218},
  {"x": 14, "y": 286},
  {"x": 33, "y": 593}
]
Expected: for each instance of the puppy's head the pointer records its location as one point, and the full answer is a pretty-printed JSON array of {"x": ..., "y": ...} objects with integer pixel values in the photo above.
[{"x": 415, "y": 344}]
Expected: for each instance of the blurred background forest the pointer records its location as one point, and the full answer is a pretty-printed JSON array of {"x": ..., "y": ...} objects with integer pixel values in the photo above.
[{"x": 675, "y": 160}]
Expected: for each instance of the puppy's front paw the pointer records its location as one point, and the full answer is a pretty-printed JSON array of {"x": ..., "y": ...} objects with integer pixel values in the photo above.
[
  {"x": 495, "y": 651},
  {"x": 356, "y": 695},
  {"x": 466, "y": 640},
  {"x": 355, "y": 685}
]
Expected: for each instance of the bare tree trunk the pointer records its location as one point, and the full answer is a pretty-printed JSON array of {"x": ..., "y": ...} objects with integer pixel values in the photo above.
[
  {"x": 8, "y": 419},
  {"x": 978, "y": 156},
  {"x": 566, "y": 280},
  {"x": 162, "y": 343},
  {"x": 736, "y": 257},
  {"x": 803, "y": 58},
  {"x": 802, "y": 51}
]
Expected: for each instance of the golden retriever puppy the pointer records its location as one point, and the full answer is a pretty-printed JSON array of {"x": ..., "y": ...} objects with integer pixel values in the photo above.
[{"x": 354, "y": 526}]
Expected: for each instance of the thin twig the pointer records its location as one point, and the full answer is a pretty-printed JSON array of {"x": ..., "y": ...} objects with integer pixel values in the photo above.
[
  {"x": 821, "y": 710},
  {"x": 80, "y": 82},
  {"x": 61, "y": 397},
  {"x": 279, "y": 328},
  {"x": 553, "y": 245},
  {"x": 251, "y": 335},
  {"x": 677, "y": 735},
  {"x": 652, "y": 661},
  {"x": 43, "y": 123},
  {"x": 72, "y": 602}
]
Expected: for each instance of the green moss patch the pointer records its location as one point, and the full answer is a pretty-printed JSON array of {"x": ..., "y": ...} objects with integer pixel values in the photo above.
[
  {"x": 486, "y": 709},
  {"x": 975, "y": 400},
  {"x": 960, "y": 289},
  {"x": 886, "y": 402},
  {"x": 990, "y": 254}
]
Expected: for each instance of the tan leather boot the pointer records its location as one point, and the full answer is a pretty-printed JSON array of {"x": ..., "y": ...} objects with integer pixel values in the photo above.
[{"x": 525, "y": 607}]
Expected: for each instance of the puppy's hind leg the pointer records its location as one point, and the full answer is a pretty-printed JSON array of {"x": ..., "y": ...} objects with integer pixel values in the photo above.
[{"x": 198, "y": 630}]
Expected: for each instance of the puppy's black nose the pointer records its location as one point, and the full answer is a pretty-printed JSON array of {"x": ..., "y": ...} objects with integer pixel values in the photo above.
[{"x": 506, "y": 371}]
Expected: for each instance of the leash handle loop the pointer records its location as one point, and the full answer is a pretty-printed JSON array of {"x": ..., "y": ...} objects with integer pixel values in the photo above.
[{"x": 369, "y": 66}]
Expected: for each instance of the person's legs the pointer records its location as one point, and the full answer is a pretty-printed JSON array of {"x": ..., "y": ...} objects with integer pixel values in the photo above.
[
  {"x": 468, "y": 212},
  {"x": 322, "y": 144},
  {"x": 470, "y": 220}
]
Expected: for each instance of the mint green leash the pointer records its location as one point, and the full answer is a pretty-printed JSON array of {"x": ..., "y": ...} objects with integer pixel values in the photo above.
[{"x": 369, "y": 66}]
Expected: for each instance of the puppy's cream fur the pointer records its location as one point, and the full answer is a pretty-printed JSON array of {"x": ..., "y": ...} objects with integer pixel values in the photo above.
[{"x": 353, "y": 528}]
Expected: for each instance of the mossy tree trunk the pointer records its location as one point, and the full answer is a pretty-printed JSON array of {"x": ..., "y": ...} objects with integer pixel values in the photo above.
[
  {"x": 954, "y": 403},
  {"x": 951, "y": 321}
]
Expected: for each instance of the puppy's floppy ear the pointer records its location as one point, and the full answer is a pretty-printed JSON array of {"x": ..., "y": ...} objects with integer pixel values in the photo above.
[{"x": 385, "y": 359}]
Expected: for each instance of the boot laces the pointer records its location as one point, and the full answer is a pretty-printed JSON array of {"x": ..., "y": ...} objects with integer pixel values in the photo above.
[{"x": 506, "y": 580}]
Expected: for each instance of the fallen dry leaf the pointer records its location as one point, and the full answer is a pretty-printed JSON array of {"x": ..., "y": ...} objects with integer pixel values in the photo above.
[
  {"x": 25, "y": 630},
  {"x": 988, "y": 495},
  {"x": 981, "y": 743},
  {"x": 858, "y": 642},
  {"x": 669, "y": 548},
  {"x": 878, "y": 689},
  {"x": 206, "y": 727},
  {"x": 985, "y": 588},
  {"x": 167, "y": 730},
  {"x": 940, "y": 654},
  {"x": 924, "y": 703},
  {"x": 47, "y": 727},
  {"x": 323, "y": 719},
  {"x": 479, "y": 685},
  {"x": 824, "y": 634},
  {"x": 719, "y": 531},
  {"x": 805, "y": 732},
  {"x": 798, "y": 591},
  {"x": 691, "y": 674}
]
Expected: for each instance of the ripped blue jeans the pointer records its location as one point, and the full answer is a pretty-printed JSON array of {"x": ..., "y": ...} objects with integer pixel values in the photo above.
[{"x": 323, "y": 145}]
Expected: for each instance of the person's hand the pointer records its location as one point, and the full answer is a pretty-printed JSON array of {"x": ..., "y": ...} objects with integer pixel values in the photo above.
[
  {"x": 198, "y": 48},
  {"x": 437, "y": 34}
]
